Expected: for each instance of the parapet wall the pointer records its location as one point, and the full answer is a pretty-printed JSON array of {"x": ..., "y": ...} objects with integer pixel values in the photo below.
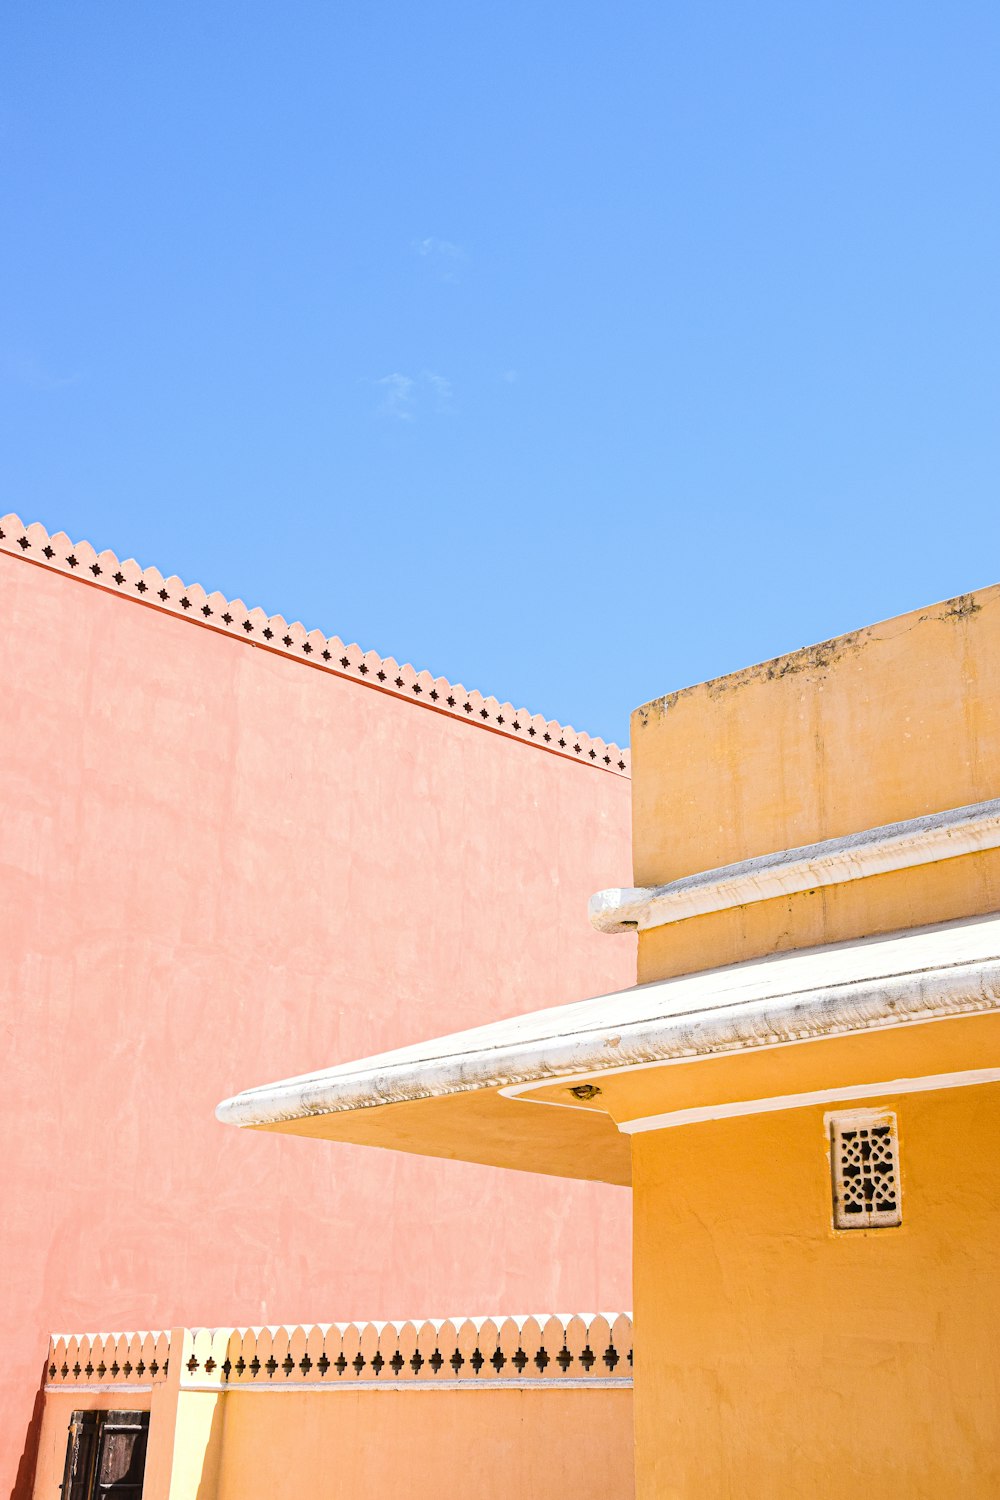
[
  {"x": 549, "y": 1347},
  {"x": 518, "y": 1401}
]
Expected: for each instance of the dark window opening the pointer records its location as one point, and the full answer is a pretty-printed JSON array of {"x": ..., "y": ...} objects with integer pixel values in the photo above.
[{"x": 105, "y": 1455}]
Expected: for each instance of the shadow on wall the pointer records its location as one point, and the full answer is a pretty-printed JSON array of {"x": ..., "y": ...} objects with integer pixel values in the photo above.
[
  {"x": 25, "y": 1476},
  {"x": 208, "y": 1483}
]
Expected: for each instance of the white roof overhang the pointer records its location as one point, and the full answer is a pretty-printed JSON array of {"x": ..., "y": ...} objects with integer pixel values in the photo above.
[{"x": 920, "y": 975}]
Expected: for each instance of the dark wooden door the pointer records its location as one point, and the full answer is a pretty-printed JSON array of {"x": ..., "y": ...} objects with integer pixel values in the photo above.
[
  {"x": 106, "y": 1455},
  {"x": 81, "y": 1451}
]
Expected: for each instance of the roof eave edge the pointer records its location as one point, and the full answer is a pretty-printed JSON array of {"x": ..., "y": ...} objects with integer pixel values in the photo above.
[{"x": 860, "y": 1005}]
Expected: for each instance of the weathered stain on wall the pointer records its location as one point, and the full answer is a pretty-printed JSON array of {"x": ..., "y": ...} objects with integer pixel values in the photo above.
[{"x": 895, "y": 721}]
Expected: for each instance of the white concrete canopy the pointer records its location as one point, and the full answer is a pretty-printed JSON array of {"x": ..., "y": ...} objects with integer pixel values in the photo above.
[{"x": 873, "y": 983}]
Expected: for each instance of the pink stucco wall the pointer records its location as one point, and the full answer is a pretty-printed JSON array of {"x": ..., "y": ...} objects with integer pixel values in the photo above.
[{"x": 219, "y": 867}]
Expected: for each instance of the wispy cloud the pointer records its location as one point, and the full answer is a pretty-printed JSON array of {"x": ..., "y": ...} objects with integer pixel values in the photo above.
[
  {"x": 445, "y": 256},
  {"x": 439, "y": 389},
  {"x": 405, "y": 397},
  {"x": 446, "y": 249},
  {"x": 508, "y": 377},
  {"x": 397, "y": 402}
]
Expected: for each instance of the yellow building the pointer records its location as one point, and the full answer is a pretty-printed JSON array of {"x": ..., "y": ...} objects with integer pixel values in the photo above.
[{"x": 802, "y": 1091}]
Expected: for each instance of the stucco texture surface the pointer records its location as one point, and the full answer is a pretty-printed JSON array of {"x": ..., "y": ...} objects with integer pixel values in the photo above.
[
  {"x": 892, "y": 722},
  {"x": 489, "y": 1444},
  {"x": 775, "y": 1356},
  {"x": 218, "y": 867}
]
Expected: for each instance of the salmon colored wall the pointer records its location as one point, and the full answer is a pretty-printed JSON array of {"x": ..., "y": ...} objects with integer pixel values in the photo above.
[
  {"x": 218, "y": 867},
  {"x": 777, "y": 1357},
  {"x": 890, "y": 722}
]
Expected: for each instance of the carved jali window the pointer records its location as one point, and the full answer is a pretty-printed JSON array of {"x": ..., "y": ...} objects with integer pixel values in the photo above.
[{"x": 864, "y": 1156}]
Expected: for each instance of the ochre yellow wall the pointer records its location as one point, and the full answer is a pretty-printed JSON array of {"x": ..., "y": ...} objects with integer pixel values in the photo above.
[
  {"x": 891, "y": 722},
  {"x": 777, "y": 1357},
  {"x": 428, "y": 1444},
  {"x": 421, "y": 1443}
]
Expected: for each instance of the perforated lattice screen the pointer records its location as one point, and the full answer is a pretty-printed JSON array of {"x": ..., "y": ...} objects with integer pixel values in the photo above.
[{"x": 865, "y": 1160}]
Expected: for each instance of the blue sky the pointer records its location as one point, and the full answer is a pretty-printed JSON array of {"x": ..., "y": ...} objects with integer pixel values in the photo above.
[{"x": 575, "y": 352}]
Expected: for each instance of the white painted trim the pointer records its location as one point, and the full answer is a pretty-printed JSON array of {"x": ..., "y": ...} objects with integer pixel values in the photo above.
[
  {"x": 874, "y": 851},
  {"x": 221, "y": 1388},
  {"x": 540, "y": 1383},
  {"x": 886, "y": 1089},
  {"x": 71, "y": 1388},
  {"x": 516, "y": 1090}
]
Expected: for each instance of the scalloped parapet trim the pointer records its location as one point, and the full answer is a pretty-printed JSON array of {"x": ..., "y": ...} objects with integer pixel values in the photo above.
[
  {"x": 577, "y": 1348},
  {"x": 108, "y": 1358},
  {"x": 232, "y": 617}
]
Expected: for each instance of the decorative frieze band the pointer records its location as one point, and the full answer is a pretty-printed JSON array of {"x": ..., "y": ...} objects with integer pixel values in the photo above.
[
  {"x": 272, "y": 633},
  {"x": 580, "y": 1349},
  {"x": 108, "y": 1359}
]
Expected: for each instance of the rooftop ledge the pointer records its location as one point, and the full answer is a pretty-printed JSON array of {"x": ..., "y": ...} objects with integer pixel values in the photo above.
[
  {"x": 874, "y": 851},
  {"x": 463, "y": 1096}
]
